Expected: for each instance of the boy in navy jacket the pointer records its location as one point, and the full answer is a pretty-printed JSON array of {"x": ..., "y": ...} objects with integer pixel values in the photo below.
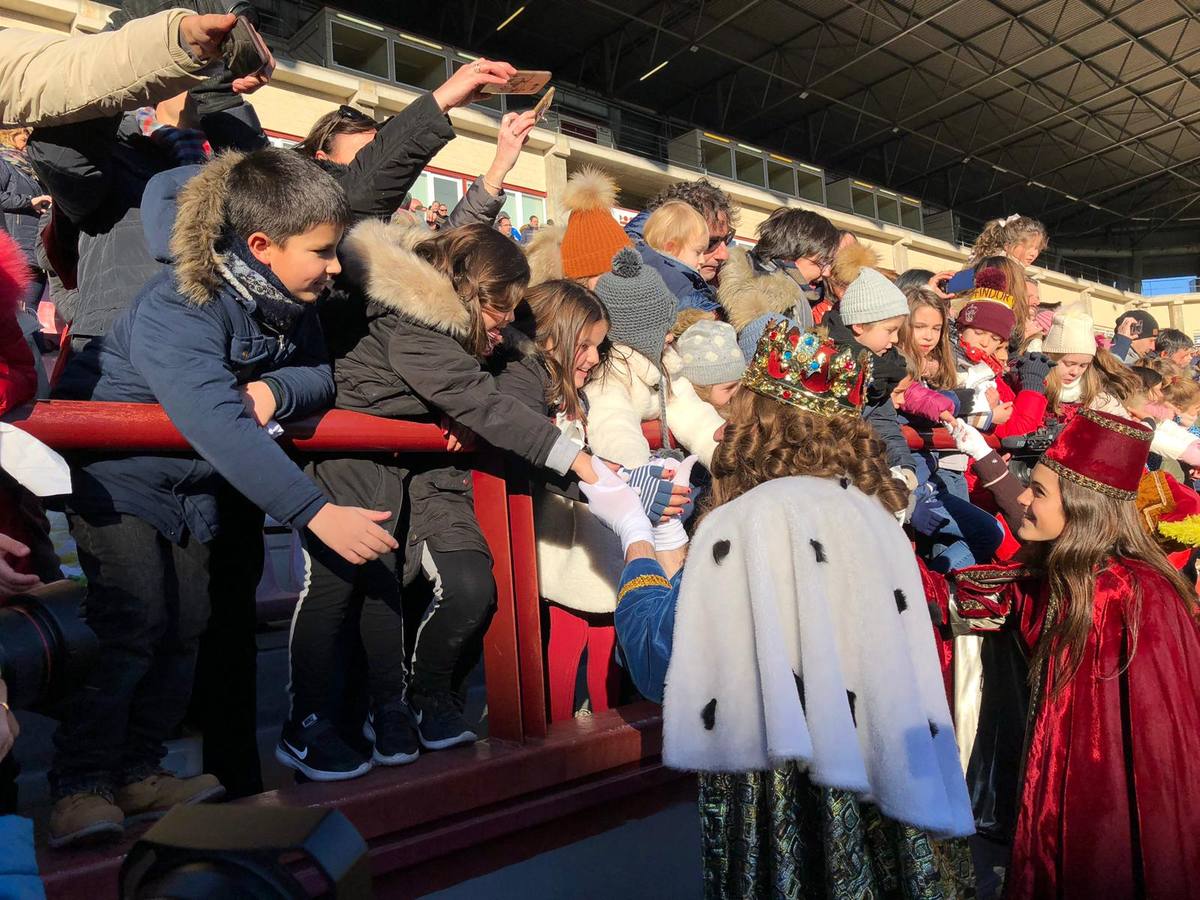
[{"x": 228, "y": 341}]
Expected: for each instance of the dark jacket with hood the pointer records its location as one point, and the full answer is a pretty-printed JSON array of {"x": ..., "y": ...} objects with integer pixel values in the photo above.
[
  {"x": 689, "y": 287},
  {"x": 384, "y": 171},
  {"x": 96, "y": 172},
  {"x": 18, "y": 187},
  {"x": 888, "y": 371},
  {"x": 190, "y": 339},
  {"x": 397, "y": 353}
]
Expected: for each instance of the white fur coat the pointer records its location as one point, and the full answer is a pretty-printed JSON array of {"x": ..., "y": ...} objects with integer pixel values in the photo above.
[
  {"x": 627, "y": 395},
  {"x": 579, "y": 558},
  {"x": 801, "y": 633}
]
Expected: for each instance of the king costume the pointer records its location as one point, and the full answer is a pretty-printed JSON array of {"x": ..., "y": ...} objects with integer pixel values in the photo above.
[
  {"x": 1111, "y": 786},
  {"x": 801, "y": 685}
]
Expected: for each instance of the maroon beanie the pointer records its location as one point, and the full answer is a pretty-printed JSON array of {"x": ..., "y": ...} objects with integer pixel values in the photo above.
[{"x": 987, "y": 315}]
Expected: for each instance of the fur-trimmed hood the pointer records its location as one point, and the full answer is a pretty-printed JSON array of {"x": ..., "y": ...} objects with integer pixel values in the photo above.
[
  {"x": 745, "y": 294},
  {"x": 378, "y": 259},
  {"x": 199, "y": 220},
  {"x": 544, "y": 253}
]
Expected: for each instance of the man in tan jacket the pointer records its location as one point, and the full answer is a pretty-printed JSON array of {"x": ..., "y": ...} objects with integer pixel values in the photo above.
[{"x": 54, "y": 79}]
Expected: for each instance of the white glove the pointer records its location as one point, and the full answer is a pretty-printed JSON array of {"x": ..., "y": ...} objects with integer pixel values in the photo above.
[
  {"x": 968, "y": 440},
  {"x": 671, "y": 535},
  {"x": 617, "y": 505},
  {"x": 906, "y": 477}
]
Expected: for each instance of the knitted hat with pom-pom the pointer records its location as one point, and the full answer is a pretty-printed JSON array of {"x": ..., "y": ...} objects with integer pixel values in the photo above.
[
  {"x": 592, "y": 235},
  {"x": 640, "y": 307}
]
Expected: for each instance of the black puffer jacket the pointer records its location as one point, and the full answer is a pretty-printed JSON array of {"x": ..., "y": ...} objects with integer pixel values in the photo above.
[
  {"x": 384, "y": 171},
  {"x": 397, "y": 353},
  {"x": 96, "y": 172}
]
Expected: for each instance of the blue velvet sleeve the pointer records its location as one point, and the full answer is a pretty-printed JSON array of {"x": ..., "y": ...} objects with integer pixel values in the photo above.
[{"x": 645, "y": 622}]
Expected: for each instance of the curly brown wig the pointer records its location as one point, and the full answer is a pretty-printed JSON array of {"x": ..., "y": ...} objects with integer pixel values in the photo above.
[{"x": 766, "y": 439}]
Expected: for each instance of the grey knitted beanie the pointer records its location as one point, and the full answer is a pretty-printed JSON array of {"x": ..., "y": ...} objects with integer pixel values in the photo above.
[
  {"x": 641, "y": 309},
  {"x": 710, "y": 353},
  {"x": 871, "y": 298}
]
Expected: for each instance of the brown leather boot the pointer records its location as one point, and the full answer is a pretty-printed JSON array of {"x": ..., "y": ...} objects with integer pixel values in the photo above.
[
  {"x": 83, "y": 818},
  {"x": 153, "y": 796}
]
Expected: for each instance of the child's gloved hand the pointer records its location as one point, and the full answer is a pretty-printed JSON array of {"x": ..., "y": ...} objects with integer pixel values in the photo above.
[
  {"x": 1032, "y": 369},
  {"x": 928, "y": 513},
  {"x": 652, "y": 483}
]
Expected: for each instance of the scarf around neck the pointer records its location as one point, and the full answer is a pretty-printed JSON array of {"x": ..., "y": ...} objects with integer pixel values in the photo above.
[
  {"x": 258, "y": 286},
  {"x": 18, "y": 160},
  {"x": 975, "y": 355}
]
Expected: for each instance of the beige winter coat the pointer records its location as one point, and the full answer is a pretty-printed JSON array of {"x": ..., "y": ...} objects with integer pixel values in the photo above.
[
  {"x": 579, "y": 558},
  {"x": 52, "y": 79}
]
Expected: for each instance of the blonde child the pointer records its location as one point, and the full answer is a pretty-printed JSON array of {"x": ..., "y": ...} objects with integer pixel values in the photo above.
[
  {"x": 1085, "y": 376},
  {"x": 1019, "y": 237},
  {"x": 679, "y": 234}
]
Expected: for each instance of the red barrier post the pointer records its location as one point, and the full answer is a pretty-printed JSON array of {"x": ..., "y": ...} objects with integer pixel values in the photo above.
[
  {"x": 501, "y": 655},
  {"x": 528, "y": 599}
]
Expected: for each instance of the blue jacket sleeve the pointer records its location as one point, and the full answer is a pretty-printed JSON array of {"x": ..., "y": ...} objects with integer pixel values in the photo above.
[
  {"x": 180, "y": 350},
  {"x": 1122, "y": 349},
  {"x": 645, "y": 623},
  {"x": 18, "y": 864},
  {"x": 306, "y": 385},
  {"x": 12, "y": 200},
  {"x": 884, "y": 422}
]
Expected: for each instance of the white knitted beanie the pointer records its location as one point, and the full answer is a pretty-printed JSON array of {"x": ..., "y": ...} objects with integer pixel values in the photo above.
[
  {"x": 871, "y": 298},
  {"x": 710, "y": 353},
  {"x": 1072, "y": 331}
]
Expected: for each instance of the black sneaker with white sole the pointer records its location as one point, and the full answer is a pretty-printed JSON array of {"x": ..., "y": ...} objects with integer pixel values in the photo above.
[
  {"x": 314, "y": 748},
  {"x": 391, "y": 729},
  {"x": 440, "y": 722}
]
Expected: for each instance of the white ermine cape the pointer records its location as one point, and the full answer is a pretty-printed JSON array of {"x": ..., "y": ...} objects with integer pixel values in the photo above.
[{"x": 802, "y": 633}]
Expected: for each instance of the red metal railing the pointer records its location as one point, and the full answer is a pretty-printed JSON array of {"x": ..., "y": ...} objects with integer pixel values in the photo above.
[{"x": 534, "y": 773}]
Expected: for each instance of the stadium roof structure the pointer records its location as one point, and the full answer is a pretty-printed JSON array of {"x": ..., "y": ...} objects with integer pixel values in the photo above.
[{"x": 1084, "y": 113}]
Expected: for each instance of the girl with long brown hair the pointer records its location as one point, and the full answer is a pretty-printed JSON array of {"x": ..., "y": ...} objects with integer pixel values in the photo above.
[
  {"x": 1111, "y": 765},
  {"x": 424, "y": 331},
  {"x": 772, "y": 644},
  {"x": 575, "y": 564}
]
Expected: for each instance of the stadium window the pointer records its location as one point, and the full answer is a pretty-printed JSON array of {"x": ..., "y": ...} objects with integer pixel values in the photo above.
[{"x": 360, "y": 50}]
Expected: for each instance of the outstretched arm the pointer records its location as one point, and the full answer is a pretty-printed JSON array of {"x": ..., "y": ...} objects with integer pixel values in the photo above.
[{"x": 54, "y": 79}]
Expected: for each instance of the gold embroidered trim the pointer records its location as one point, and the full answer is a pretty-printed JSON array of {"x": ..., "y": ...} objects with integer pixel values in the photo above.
[
  {"x": 1132, "y": 431},
  {"x": 991, "y": 576},
  {"x": 642, "y": 581},
  {"x": 970, "y": 604},
  {"x": 1084, "y": 481}
]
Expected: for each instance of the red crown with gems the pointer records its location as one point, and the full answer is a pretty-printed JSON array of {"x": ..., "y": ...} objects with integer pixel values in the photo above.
[{"x": 808, "y": 370}]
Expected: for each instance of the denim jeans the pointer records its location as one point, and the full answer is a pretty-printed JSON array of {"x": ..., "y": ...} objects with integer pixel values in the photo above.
[
  {"x": 972, "y": 535},
  {"x": 148, "y": 603}
]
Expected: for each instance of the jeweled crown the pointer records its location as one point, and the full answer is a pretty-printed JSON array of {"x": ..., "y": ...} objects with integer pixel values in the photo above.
[{"x": 808, "y": 370}]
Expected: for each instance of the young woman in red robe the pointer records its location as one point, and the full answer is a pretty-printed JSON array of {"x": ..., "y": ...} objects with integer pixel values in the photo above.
[{"x": 1110, "y": 795}]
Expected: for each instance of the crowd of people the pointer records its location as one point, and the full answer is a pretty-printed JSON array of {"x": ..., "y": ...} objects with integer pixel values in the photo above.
[{"x": 1045, "y": 517}]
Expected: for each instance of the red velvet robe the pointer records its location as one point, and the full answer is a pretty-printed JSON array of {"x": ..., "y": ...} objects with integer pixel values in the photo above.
[{"x": 1110, "y": 799}]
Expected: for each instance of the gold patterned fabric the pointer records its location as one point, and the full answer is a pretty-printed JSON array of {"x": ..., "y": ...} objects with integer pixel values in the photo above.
[{"x": 777, "y": 835}]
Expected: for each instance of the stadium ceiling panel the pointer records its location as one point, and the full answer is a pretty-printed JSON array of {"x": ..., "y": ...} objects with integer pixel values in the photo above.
[{"x": 1085, "y": 113}]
